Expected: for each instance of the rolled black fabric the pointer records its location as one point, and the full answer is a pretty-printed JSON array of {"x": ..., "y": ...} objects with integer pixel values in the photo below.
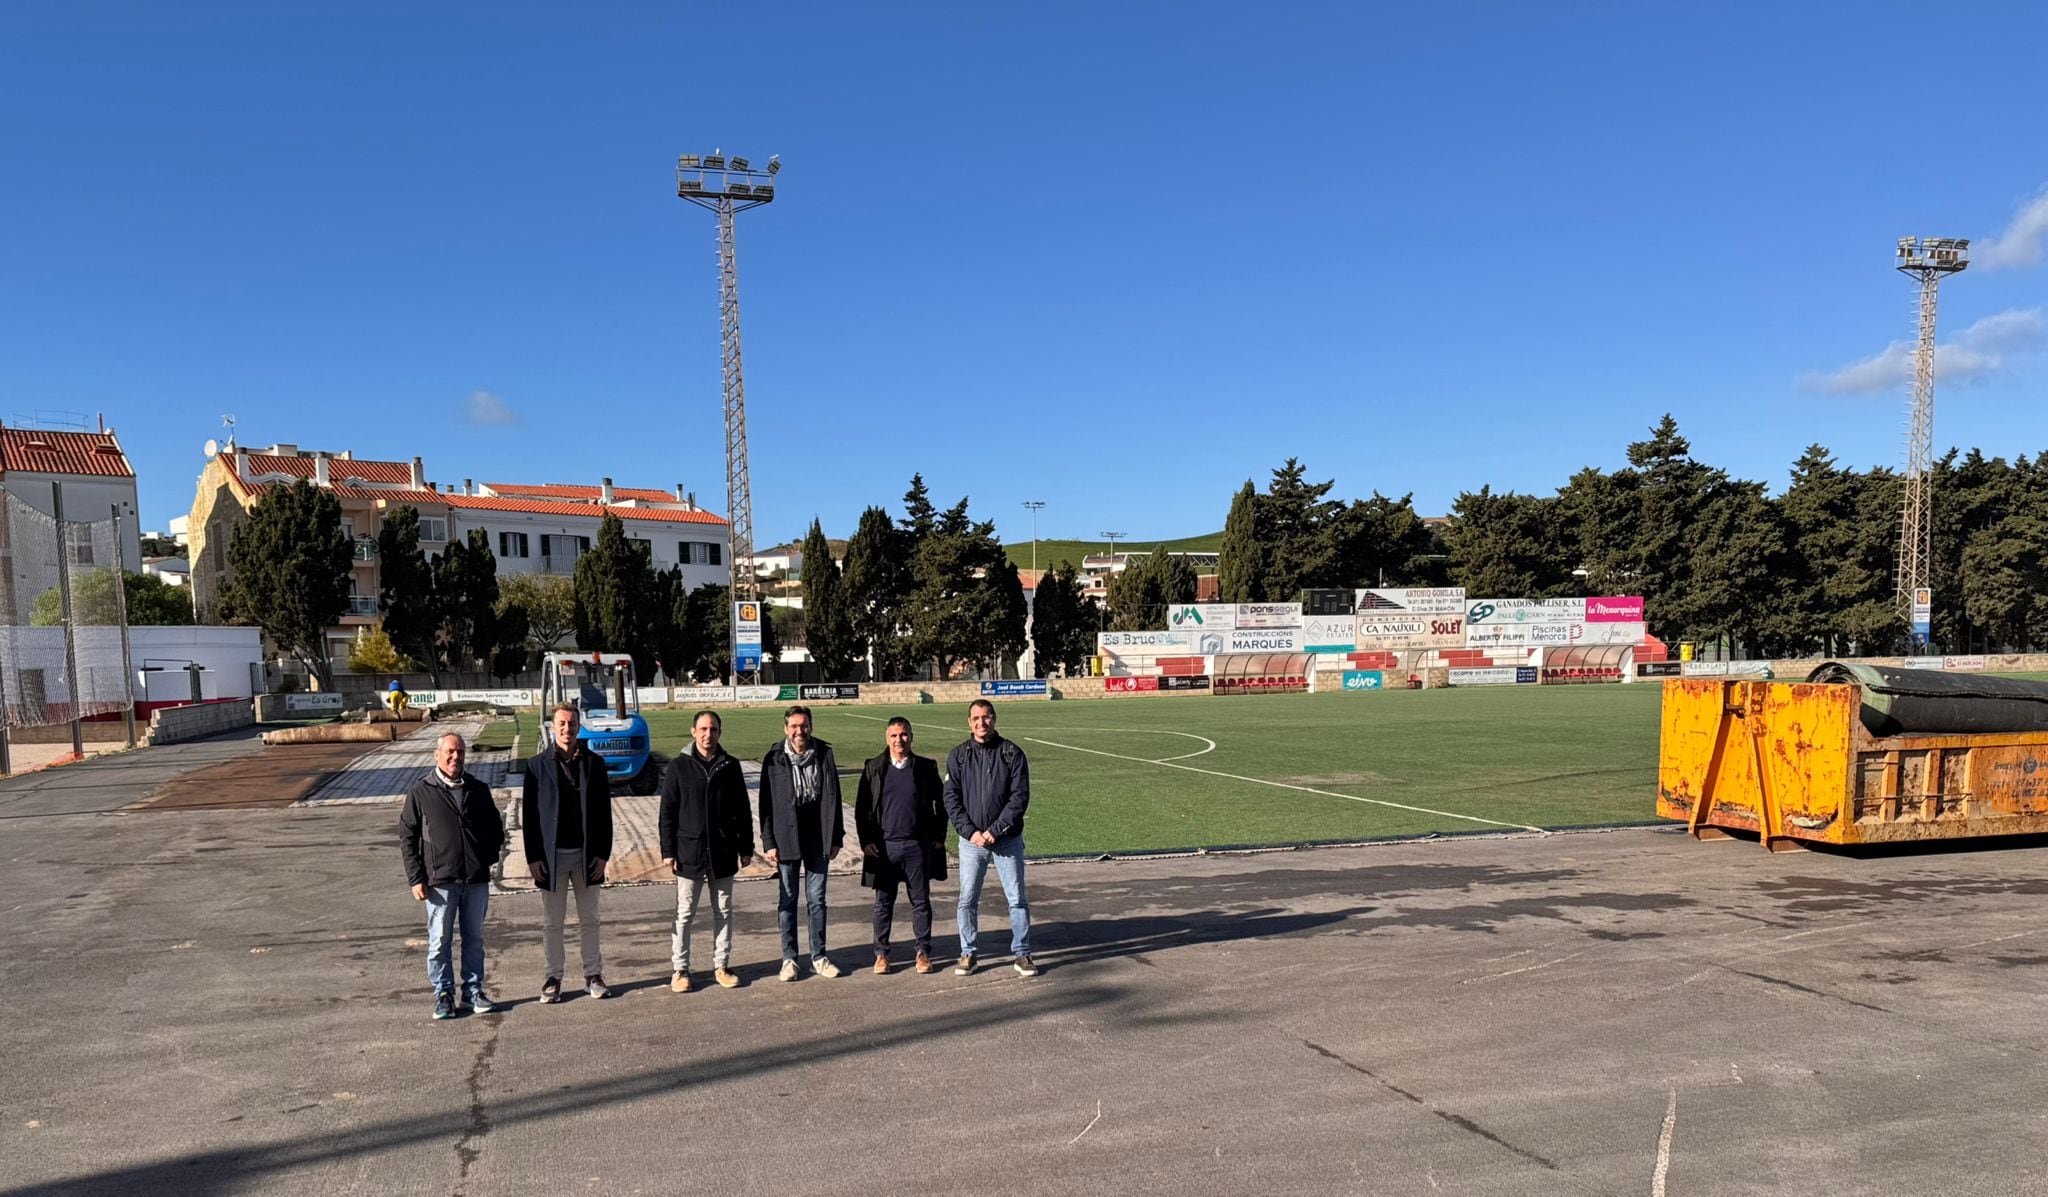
[{"x": 1902, "y": 702}]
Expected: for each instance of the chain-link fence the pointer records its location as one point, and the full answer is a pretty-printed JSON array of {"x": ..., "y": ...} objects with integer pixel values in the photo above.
[{"x": 63, "y": 617}]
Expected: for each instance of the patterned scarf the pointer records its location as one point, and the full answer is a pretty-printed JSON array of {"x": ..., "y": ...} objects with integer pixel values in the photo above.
[{"x": 803, "y": 769}]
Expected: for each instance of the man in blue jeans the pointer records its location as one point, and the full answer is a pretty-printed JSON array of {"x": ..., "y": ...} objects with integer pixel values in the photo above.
[
  {"x": 988, "y": 785},
  {"x": 803, "y": 824},
  {"x": 451, "y": 834}
]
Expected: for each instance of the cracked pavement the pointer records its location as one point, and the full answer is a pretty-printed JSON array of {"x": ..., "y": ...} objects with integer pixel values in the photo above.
[{"x": 215, "y": 1002}]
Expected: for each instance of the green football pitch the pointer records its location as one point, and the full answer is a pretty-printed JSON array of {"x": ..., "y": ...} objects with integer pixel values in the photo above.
[{"x": 1152, "y": 774}]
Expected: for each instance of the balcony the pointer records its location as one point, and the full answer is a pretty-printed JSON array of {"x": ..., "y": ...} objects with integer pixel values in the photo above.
[
  {"x": 366, "y": 550},
  {"x": 362, "y": 604},
  {"x": 559, "y": 563}
]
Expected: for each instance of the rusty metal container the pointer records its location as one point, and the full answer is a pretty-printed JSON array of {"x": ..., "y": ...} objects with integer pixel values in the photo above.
[{"x": 1795, "y": 763}]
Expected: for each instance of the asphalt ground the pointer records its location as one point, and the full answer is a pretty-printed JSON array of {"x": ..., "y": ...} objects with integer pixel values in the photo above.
[{"x": 210, "y": 1002}]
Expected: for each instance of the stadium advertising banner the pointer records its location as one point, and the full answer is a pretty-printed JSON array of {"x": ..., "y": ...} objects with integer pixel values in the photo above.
[
  {"x": 1024, "y": 688},
  {"x": 1972, "y": 663},
  {"x": 1356, "y": 680},
  {"x": 1439, "y": 600},
  {"x": 1614, "y": 609},
  {"x": 1724, "y": 669},
  {"x": 761, "y": 694},
  {"x": 703, "y": 695},
  {"x": 1201, "y": 617},
  {"x": 1383, "y": 630},
  {"x": 496, "y": 698},
  {"x": 1130, "y": 685},
  {"x": 1657, "y": 669},
  {"x": 1498, "y": 675},
  {"x": 1198, "y": 681},
  {"x": 1609, "y": 633},
  {"x": 1269, "y": 615},
  {"x": 321, "y": 702},
  {"x": 1156, "y": 641},
  {"x": 1262, "y": 640},
  {"x": 1329, "y": 633},
  {"x": 829, "y": 692}
]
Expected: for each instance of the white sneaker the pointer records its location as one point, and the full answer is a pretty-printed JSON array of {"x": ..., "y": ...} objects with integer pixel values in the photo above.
[
  {"x": 788, "y": 970},
  {"x": 824, "y": 967}
]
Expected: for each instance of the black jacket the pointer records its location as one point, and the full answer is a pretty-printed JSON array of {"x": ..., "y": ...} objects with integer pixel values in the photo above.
[
  {"x": 988, "y": 788},
  {"x": 780, "y": 810},
  {"x": 445, "y": 844},
  {"x": 541, "y": 799},
  {"x": 931, "y": 818},
  {"x": 705, "y": 827}
]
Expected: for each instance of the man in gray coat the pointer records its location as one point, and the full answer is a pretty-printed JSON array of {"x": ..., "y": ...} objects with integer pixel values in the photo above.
[{"x": 565, "y": 815}]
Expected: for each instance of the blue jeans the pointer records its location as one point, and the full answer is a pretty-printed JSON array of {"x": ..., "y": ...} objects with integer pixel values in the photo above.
[
  {"x": 1008, "y": 853},
  {"x": 444, "y": 904},
  {"x": 814, "y": 903}
]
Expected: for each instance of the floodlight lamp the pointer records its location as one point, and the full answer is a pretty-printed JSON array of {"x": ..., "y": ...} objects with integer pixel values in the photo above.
[
  {"x": 764, "y": 191},
  {"x": 689, "y": 160},
  {"x": 774, "y": 164},
  {"x": 739, "y": 163},
  {"x": 714, "y": 162},
  {"x": 738, "y": 189}
]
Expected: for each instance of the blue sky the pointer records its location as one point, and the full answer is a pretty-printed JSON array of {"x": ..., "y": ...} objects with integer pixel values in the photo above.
[{"x": 1115, "y": 257}]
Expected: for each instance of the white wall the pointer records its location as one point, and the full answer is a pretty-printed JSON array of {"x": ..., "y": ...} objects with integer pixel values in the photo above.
[
  {"x": 226, "y": 652},
  {"x": 666, "y": 538}
]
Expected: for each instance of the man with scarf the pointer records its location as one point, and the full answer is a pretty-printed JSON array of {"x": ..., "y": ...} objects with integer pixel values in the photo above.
[{"x": 802, "y": 828}]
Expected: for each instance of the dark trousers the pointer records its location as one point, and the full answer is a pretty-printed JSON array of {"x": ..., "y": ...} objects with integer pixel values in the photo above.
[{"x": 906, "y": 860}]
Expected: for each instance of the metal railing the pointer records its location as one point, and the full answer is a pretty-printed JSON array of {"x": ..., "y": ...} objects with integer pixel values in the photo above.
[
  {"x": 558, "y": 563},
  {"x": 366, "y": 550},
  {"x": 362, "y": 604}
]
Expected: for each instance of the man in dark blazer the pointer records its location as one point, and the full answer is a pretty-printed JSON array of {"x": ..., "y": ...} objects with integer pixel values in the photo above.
[
  {"x": 707, "y": 837},
  {"x": 565, "y": 814},
  {"x": 803, "y": 826},
  {"x": 899, "y": 813}
]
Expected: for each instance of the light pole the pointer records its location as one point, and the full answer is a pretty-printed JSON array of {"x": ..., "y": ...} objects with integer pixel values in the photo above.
[
  {"x": 1112, "y": 538},
  {"x": 724, "y": 185},
  {"x": 1035, "y": 506},
  {"x": 1926, "y": 260}
]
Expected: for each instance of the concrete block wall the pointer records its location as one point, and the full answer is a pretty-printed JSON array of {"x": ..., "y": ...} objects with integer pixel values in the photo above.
[{"x": 172, "y": 725}]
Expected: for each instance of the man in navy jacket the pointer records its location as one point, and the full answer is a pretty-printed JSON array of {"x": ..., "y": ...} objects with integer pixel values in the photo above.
[{"x": 988, "y": 785}]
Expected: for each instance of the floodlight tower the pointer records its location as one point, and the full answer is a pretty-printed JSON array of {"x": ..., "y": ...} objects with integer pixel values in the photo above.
[
  {"x": 1927, "y": 259},
  {"x": 724, "y": 186}
]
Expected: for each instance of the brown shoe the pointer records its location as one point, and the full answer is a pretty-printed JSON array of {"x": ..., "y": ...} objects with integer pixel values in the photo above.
[
  {"x": 726, "y": 978},
  {"x": 881, "y": 965},
  {"x": 924, "y": 963},
  {"x": 680, "y": 983}
]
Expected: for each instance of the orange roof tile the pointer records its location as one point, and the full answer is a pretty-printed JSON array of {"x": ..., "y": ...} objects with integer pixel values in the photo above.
[
  {"x": 339, "y": 470},
  {"x": 32, "y": 451},
  {"x": 545, "y": 507},
  {"x": 563, "y": 490}
]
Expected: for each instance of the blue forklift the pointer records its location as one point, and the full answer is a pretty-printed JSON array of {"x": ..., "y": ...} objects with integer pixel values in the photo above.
[{"x": 601, "y": 686}]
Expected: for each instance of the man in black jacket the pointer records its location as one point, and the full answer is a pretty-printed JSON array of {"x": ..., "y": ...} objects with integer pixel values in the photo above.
[
  {"x": 988, "y": 785},
  {"x": 565, "y": 819},
  {"x": 900, "y": 815},
  {"x": 803, "y": 825},
  {"x": 451, "y": 833},
  {"x": 707, "y": 836}
]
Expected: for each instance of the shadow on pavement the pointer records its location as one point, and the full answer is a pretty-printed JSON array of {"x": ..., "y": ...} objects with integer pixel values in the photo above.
[{"x": 241, "y": 1169}]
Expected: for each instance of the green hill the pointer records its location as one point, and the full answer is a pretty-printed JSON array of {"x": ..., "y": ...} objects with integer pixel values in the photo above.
[{"x": 1052, "y": 552}]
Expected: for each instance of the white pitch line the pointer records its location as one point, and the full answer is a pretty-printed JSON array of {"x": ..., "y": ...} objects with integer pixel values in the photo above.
[
  {"x": 1664, "y": 1146},
  {"x": 1208, "y": 745},
  {"x": 1282, "y": 785}
]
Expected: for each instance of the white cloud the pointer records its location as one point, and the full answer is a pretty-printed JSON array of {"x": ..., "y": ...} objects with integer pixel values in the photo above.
[
  {"x": 485, "y": 410},
  {"x": 2021, "y": 244},
  {"x": 1979, "y": 351}
]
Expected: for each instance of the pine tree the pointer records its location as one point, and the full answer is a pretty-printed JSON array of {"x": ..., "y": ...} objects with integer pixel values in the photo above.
[
  {"x": 1241, "y": 562},
  {"x": 291, "y": 562},
  {"x": 825, "y": 619},
  {"x": 406, "y": 589},
  {"x": 874, "y": 585}
]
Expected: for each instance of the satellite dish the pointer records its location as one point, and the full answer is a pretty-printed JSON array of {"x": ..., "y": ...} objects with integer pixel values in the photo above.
[{"x": 212, "y": 447}]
